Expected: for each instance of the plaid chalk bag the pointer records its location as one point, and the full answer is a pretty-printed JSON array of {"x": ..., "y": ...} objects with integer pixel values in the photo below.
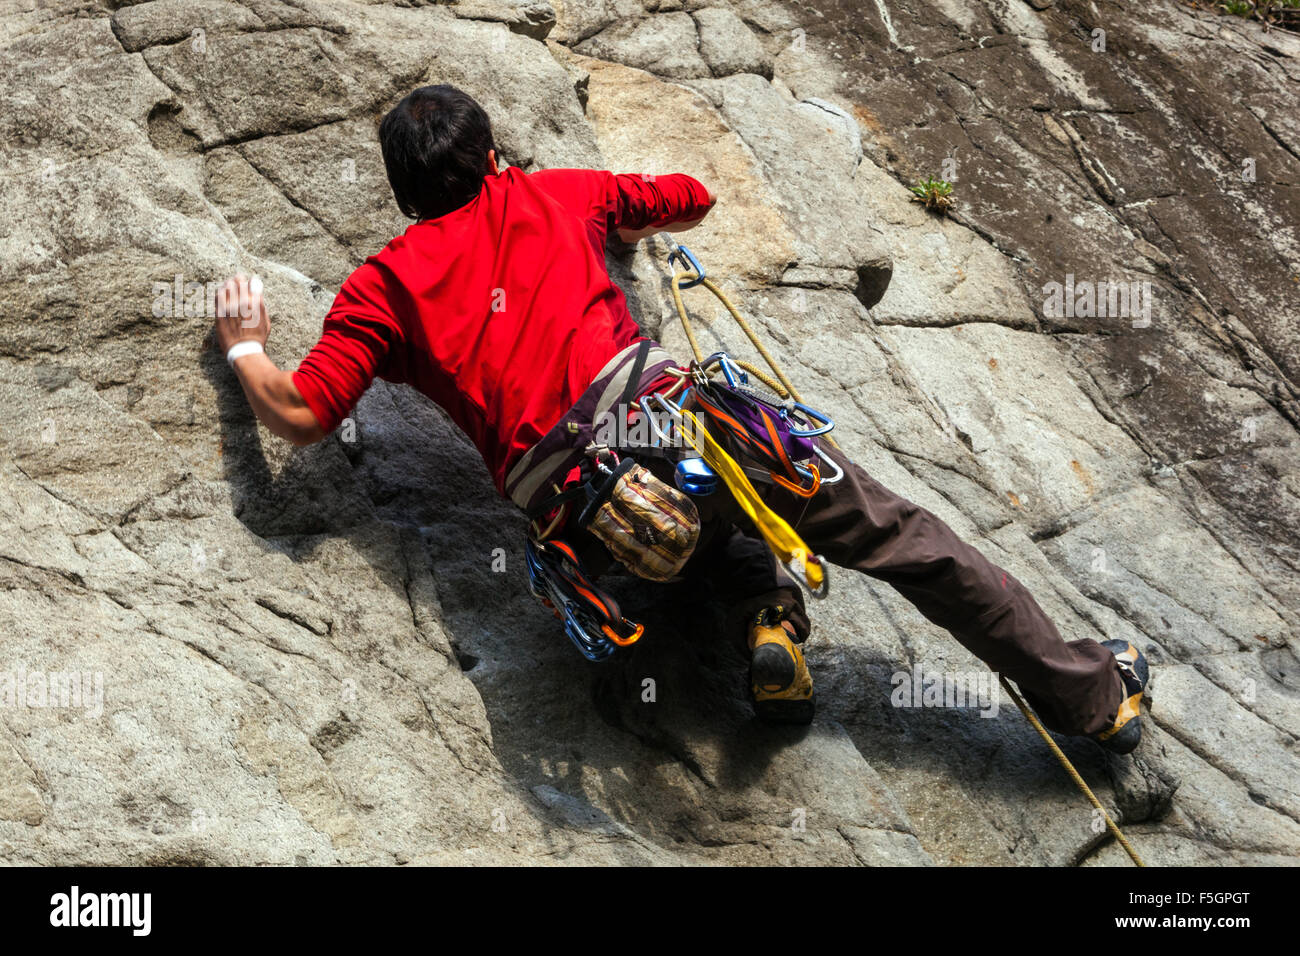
[{"x": 649, "y": 526}]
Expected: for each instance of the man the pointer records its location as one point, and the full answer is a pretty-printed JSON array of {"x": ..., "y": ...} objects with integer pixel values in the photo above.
[{"x": 497, "y": 305}]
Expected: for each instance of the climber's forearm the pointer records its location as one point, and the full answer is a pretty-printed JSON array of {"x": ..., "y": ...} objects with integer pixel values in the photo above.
[
  {"x": 685, "y": 224},
  {"x": 634, "y": 235},
  {"x": 276, "y": 400},
  {"x": 242, "y": 319}
]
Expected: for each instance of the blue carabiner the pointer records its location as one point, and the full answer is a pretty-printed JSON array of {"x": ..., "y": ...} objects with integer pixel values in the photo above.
[
  {"x": 687, "y": 259},
  {"x": 825, "y": 426},
  {"x": 730, "y": 372},
  {"x": 594, "y": 649}
]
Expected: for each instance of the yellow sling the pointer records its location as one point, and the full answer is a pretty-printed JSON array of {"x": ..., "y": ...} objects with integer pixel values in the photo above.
[{"x": 780, "y": 537}]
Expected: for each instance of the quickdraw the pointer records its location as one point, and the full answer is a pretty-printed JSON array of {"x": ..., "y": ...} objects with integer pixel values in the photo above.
[{"x": 592, "y": 619}]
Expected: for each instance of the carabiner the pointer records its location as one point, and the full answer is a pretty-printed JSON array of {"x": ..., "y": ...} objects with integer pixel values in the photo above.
[
  {"x": 687, "y": 259},
  {"x": 795, "y": 566},
  {"x": 839, "y": 472},
  {"x": 734, "y": 376},
  {"x": 673, "y": 410},
  {"x": 825, "y": 426}
]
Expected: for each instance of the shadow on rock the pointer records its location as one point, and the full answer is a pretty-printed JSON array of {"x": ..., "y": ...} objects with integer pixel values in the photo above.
[
  {"x": 986, "y": 750},
  {"x": 295, "y": 491},
  {"x": 556, "y": 719}
]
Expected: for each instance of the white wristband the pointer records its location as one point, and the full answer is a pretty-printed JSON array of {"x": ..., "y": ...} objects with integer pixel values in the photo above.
[{"x": 240, "y": 349}]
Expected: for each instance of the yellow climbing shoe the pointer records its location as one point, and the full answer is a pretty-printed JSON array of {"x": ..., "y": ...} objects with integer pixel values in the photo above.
[
  {"x": 781, "y": 687},
  {"x": 1124, "y": 734}
]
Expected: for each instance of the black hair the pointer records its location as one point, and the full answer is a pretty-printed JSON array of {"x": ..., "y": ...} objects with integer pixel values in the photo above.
[{"x": 435, "y": 144}]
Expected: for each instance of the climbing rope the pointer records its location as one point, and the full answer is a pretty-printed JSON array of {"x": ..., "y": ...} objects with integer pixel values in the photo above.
[
  {"x": 693, "y": 275},
  {"x": 1069, "y": 768}
]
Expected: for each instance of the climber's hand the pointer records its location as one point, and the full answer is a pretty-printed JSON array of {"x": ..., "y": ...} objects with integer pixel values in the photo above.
[
  {"x": 241, "y": 313},
  {"x": 241, "y": 317}
]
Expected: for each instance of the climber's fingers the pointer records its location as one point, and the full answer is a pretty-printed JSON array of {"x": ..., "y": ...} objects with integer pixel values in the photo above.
[{"x": 241, "y": 312}]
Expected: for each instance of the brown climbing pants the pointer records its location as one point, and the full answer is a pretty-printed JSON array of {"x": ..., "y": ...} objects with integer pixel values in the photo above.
[{"x": 859, "y": 524}]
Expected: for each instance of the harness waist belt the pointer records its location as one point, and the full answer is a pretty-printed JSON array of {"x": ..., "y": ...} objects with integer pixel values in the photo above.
[{"x": 546, "y": 464}]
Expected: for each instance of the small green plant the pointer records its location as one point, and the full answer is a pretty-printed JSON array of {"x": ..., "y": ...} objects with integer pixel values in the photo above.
[
  {"x": 1272, "y": 13},
  {"x": 935, "y": 193}
]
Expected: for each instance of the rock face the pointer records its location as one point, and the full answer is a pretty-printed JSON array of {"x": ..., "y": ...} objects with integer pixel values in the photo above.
[{"x": 219, "y": 649}]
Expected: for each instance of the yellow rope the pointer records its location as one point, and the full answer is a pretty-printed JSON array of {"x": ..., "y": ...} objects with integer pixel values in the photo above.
[
  {"x": 1069, "y": 768},
  {"x": 784, "y": 388}
]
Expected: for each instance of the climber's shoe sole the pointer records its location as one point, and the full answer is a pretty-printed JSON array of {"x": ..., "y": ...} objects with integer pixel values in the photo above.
[
  {"x": 780, "y": 685},
  {"x": 772, "y": 668}
]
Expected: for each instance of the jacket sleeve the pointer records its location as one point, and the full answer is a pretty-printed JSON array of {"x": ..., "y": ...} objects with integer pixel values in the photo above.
[
  {"x": 635, "y": 201},
  {"x": 359, "y": 335},
  {"x": 626, "y": 200}
]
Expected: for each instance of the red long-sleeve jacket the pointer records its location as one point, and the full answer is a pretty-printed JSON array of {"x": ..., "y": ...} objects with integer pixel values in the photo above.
[{"x": 501, "y": 311}]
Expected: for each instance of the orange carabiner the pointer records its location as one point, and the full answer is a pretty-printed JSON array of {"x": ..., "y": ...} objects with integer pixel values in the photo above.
[{"x": 623, "y": 641}]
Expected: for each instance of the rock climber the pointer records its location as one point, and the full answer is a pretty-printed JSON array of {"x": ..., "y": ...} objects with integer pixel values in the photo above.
[{"x": 496, "y": 304}]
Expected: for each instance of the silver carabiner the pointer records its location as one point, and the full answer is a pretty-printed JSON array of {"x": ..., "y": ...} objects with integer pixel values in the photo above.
[
  {"x": 673, "y": 410},
  {"x": 795, "y": 567},
  {"x": 839, "y": 472}
]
